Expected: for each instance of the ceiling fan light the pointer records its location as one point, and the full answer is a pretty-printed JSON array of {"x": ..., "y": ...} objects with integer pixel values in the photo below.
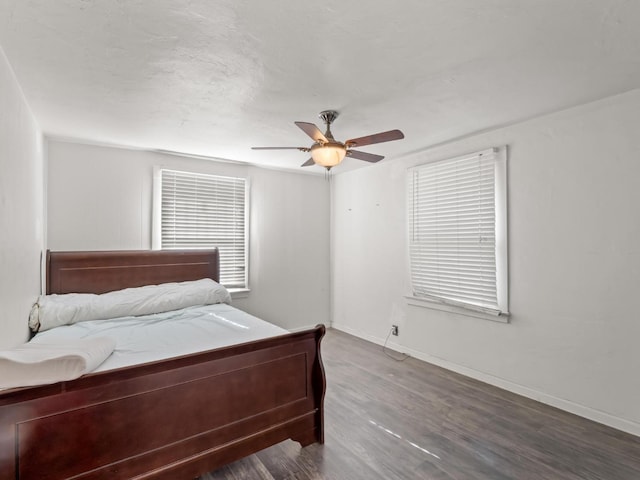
[{"x": 328, "y": 155}]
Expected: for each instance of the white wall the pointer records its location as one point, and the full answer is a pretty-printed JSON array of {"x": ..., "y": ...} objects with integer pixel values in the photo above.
[
  {"x": 574, "y": 263},
  {"x": 21, "y": 209},
  {"x": 100, "y": 198}
]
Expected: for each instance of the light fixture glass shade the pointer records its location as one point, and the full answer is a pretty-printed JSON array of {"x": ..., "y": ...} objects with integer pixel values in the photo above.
[{"x": 328, "y": 155}]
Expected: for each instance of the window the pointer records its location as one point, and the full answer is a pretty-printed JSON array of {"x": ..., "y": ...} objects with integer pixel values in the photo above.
[
  {"x": 457, "y": 231},
  {"x": 193, "y": 210}
]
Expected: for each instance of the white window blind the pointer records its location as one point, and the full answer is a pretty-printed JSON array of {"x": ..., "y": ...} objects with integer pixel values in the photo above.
[
  {"x": 204, "y": 211},
  {"x": 457, "y": 231}
]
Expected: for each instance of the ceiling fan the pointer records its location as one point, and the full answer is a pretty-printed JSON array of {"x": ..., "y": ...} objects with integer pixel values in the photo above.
[{"x": 327, "y": 152}]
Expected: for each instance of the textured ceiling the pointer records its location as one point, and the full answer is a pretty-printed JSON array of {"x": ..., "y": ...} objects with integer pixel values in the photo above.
[{"x": 214, "y": 78}]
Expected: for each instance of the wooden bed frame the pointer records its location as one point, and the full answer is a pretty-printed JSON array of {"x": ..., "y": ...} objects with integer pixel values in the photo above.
[{"x": 171, "y": 419}]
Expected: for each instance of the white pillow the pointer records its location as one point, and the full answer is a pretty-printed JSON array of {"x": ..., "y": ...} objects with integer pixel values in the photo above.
[{"x": 55, "y": 310}]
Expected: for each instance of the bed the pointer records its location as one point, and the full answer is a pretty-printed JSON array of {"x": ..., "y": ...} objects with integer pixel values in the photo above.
[{"x": 168, "y": 419}]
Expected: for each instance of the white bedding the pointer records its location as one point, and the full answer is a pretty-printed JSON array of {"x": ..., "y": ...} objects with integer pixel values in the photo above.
[
  {"x": 163, "y": 335},
  {"x": 43, "y": 363}
]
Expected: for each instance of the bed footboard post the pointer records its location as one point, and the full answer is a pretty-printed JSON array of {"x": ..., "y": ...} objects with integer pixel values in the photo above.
[{"x": 319, "y": 385}]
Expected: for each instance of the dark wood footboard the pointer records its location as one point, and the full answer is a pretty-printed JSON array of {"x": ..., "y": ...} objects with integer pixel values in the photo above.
[{"x": 171, "y": 419}]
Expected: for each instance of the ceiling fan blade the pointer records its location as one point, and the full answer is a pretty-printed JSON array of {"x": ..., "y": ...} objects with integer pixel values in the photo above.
[
  {"x": 313, "y": 131},
  {"x": 375, "y": 138},
  {"x": 367, "y": 157},
  {"x": 308, "y": 163},
  {"x": 280, "y": 148}
]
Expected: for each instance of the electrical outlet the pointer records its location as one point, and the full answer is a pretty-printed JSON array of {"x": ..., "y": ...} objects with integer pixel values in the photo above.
[{"x": 394, "y": 330}]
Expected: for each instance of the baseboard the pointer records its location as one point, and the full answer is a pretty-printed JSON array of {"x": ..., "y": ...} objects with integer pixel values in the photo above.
[
  {"x": 300, "y": 329},
  {"x": 566, "y": 405}
]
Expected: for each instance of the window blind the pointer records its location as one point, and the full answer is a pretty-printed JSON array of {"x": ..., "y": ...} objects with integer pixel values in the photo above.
[
  {"x": 204, "y": 211},
  {"x": 452, "y": 231}
]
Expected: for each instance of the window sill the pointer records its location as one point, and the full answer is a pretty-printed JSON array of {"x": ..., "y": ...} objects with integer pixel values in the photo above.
[
  {"x": 239, "y": 292},
  {"x": 445, "y": 307}
]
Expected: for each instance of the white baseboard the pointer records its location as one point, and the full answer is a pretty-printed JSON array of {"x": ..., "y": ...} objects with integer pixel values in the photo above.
[
  {"x": 566, "y": 405},
  {"x": 300, "y": 329}
]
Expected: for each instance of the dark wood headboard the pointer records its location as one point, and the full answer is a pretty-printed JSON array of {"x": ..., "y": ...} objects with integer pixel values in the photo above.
[{"x": 101, "y": 272}]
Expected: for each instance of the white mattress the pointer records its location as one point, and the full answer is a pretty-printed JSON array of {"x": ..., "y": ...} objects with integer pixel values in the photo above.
[{"x": 163, "y": 335}]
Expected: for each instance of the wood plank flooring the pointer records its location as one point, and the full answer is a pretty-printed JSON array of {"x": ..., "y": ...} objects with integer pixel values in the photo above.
[{"x": 391, "y": 420}]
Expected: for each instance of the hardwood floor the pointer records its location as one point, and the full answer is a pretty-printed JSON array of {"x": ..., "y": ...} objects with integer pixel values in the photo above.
[{"x": 393, "y": 420}]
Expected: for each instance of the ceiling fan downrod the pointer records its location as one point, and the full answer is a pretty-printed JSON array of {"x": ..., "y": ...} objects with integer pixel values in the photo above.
[{"x": 328, "y": 116}]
